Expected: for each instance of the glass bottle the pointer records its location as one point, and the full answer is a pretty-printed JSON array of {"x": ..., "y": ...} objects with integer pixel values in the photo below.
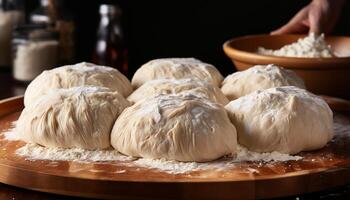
[
  {"x": 110, "y": 48},
  {"x": 11, "y": 15}
]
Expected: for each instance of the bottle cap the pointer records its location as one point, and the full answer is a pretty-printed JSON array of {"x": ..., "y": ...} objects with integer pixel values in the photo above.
[
  {"x": 109, "y": 9},
  {"x": 34, "y": 32}
]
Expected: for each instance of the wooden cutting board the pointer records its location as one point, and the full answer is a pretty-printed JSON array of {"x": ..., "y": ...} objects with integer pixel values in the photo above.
[{"x": 318, "y": 170}]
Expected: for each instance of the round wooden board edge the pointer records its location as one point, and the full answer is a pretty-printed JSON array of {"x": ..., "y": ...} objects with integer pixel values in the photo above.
[
  {"x": 293, "y": 185},
  {"x": 114, "y": 186}
]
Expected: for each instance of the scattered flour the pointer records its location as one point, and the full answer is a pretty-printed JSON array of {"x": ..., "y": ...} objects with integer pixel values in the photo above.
[
  {"x": 78, "y": 90},
  {"x": 37, "y": 152},
  {"x": 243, "y": 155},
  {"x": 11, "y": 134},
  {"x": 312, "y": 46},
  {"x": 85, "y": 67},
  {"x": 170, "y": 166}
]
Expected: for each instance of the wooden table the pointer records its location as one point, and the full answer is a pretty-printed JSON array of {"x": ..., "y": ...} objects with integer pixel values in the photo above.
[{"x": 9, "y": 87}]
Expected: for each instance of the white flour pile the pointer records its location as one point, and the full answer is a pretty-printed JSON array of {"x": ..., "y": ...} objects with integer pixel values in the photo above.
[{"x": 312, "y": 46}]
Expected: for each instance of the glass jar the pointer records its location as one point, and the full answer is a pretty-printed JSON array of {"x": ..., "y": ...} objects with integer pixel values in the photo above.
[
  {"x": 35, "y": 49},
  {"x": 11, "y": 15},
  {"x": 55, "y": 15}
]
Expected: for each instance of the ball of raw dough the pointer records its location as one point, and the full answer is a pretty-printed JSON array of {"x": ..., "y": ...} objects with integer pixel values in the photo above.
[
  {"x": 259, "y": 77},
  {"x": 80, "y": 117},
  {"x": 175, "y": 127},
  {"x": 81, "y": 74},
  {"x": 175, "y": 86},
  {"x": 285, "y": 119},
  {"x": 177, "y": 68}
]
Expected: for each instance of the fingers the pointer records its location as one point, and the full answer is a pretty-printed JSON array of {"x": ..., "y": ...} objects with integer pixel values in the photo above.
[
  {"x": 292, "y": 28},
  {"x": 315, "y": 27},
  {"x": 296, "y": 25},
  {"x": 319, "y": 16},
  {"x": 316, "y": 20}
]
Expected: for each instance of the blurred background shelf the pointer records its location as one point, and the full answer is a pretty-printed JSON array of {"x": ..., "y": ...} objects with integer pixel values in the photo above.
[{"x": 196, "y": 28}]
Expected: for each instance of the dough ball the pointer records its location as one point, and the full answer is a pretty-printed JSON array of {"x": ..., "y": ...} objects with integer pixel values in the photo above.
[
  {"x": 81, "y": 74},
  {"x": 285, "y": 119},
  {"x": 80, "y": 117},
  {"x": 174, "y": 86},
  {"x": 175, "y": 127},
  {"x": 177, "y": 68},
  {"x": 259, "y": 77}
]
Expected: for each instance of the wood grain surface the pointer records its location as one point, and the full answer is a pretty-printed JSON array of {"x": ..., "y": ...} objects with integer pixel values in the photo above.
[{"x": 318, "y": 170}]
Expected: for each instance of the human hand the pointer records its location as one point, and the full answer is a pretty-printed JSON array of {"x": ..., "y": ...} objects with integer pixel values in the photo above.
[{"x": 320, "y": 16}]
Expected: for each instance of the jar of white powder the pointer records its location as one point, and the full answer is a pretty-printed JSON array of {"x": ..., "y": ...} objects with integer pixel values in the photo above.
[
  {"x": 35, "y": 49},
  {"x": 11, "y": 14}
]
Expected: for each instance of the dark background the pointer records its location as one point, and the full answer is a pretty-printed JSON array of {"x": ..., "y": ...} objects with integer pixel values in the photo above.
[{"x": 177, "y": 28}]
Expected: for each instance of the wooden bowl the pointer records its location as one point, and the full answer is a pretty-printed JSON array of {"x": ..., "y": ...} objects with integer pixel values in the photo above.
[{"x": 328, "y": 76}]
